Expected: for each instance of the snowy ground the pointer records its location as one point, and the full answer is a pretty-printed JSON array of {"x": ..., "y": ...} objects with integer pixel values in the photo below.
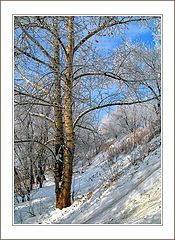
[{"x": 105, "y": 192}]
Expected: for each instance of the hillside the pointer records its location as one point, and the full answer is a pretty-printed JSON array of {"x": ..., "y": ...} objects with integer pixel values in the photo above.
[{"x": 116, "y": 188}]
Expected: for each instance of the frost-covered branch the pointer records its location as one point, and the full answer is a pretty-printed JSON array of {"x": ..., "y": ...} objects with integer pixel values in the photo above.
[{"x": 36, "y": 42}]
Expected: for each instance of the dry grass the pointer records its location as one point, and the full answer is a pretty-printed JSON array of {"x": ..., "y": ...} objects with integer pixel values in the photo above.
[{"x": 139, "y": 136}]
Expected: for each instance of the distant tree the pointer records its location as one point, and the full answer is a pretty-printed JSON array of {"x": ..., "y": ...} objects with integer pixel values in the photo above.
[{"x": 125, "y": 119}]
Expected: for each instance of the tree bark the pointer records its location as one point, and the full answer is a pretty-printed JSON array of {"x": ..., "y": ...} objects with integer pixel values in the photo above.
[
  {"x": 65, "y": 194},
  {"x": 59, "y": 135}
]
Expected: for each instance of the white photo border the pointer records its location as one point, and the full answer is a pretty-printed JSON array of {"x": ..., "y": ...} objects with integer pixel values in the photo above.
[{"x": 10, "y": 8}]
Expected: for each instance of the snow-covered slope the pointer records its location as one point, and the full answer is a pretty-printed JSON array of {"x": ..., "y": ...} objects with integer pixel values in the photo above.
[{"x": 126, "y": 190}]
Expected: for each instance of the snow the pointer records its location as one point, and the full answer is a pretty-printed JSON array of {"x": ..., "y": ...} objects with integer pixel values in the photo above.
[{"x": 117, "y": 192}]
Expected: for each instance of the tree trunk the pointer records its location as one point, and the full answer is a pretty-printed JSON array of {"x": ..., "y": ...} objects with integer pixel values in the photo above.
[
  {"x": 30, "y": 151},
  {"x": 32, "y": 181},
  {"x": 65, "y": 194},
  {"x": 59, "y": 135}
]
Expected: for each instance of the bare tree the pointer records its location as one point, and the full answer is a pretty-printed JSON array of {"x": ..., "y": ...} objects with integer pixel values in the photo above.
[{"x": 57, "y": 66}]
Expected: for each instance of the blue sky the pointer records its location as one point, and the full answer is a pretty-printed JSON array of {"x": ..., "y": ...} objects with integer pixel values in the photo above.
[
  {"x": 110, "y": 43},
  {"x": 134, "y": 32}
]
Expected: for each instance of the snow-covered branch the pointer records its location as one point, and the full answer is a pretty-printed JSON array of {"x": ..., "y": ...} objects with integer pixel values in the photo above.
[
  {"x": 34, "y": 85},
  {"x": 42, "y": 116}
]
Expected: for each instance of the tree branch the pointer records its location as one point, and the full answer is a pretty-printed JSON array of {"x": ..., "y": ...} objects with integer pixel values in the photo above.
[
  {"x": 106, "y": 25},
  {"x": 56, "y": 36},
  {"x": 34, "y": 85},
  {"x": 37, "y": 43},
  {"x": 83, "y": 127},
  {"x": 33, "y": 57},
  {"x": 50, "y": 140},
  {"x": 106, "y": 74},
  {"x": 32, "y": 96},
  {"x": 110, "y": 105},
  {"x": 42, "y": 116},
  {"x": 148, "y": 86},
  {"x": 33, "y": 103},
  {"x": 36, "y": 141}
]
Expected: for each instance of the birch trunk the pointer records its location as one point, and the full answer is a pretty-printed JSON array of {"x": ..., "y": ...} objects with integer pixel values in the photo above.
[
  {"x": 59, "y": 135},
  {"x": 65, "y": 195}
]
